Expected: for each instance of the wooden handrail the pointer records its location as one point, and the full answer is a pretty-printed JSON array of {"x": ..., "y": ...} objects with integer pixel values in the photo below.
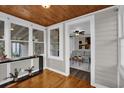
[{"x": 13, "y": 60}]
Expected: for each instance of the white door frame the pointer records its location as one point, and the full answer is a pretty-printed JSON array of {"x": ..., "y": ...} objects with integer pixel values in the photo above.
[{"x": 67, "y": 45}]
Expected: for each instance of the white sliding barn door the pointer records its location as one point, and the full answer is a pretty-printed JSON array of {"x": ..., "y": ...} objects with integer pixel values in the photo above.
[
  {"x": 121, "y": 36},
  {"x": 121, "y": 66},
  {"x": 106, "y": 48}
]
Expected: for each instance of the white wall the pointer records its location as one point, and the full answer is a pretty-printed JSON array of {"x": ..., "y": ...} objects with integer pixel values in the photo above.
[
  {"x": 56, "y": 64},
  {"x": 82, "y": 26},
  {"x": 74, "y": 41}
]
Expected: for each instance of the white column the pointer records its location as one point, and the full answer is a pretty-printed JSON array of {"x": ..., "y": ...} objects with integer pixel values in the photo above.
[
  {"x": 92, "y": 30},
  {"x": 30, "y": 41},
  {"x": 45, "y": 48},
  {"x": 30, "y": 49},
  {"x": 7, "y": 33}
]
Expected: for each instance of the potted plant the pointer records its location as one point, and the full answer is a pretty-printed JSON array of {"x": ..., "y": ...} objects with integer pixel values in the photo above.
[
  {"x": 14, "y": 75},
  {"x": 29, "y": 70}
]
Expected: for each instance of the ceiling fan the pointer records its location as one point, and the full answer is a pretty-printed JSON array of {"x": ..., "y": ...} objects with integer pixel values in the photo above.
[{"x": 77, "y": 33}]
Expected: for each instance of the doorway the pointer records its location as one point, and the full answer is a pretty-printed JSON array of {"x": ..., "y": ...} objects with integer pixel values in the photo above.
[{"x": 80, "y": 48}]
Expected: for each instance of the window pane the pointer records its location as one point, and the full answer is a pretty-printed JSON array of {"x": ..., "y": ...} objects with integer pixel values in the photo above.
[
  {"x": 38, "y": 48},
  {"x": 54, "y": 42},
  {"x": 1, "y": 29},
  {"x": 2, "y": 48},
  {"x": 19, "y": 49},
  {"x": 19, "y": 32},
  {"x": 38, "y": 36}
]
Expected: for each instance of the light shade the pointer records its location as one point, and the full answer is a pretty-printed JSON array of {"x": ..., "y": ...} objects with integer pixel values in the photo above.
[{"x": 46, "y": 6}]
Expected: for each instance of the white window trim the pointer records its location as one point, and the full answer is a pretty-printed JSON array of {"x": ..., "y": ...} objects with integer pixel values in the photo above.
[
  {"x": 42, "y": 29},
  {"x": 60, "y": 26},
  {"x": 8, "y": 19},
  {"x": 19, "y": 41},
  {"x": 20, "y": 23},
  {"x": 38, "y": 42},
  {"x": 6, "y": 40}
]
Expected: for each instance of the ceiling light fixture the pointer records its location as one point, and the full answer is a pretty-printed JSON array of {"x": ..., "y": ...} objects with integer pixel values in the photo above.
[
  {"x": 77, "y": 32},
  {"x": 46, "y": 6},
  {"x": 11, "y": 29}
]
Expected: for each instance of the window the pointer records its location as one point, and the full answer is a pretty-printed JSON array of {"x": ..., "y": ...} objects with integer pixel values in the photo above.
[
  {"x": 19, "y": 49},
  {"x": 2, "y": 48},
  {"x": 16, "y": 49},
  {"x": 55, "y": 42},
  {"x": 2, "y": 45},
  {"x": 1, "y": 29},
  {"x": 19, "y": 40},
  {"x": 38, "y": 42},
  {"x": 38, "y": 48},
  {"x": 19, "y": 32}
]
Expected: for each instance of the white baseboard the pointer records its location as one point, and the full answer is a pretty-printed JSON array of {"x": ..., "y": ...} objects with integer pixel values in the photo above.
[
  {"x": 44, "y": 67},
  {"x": 36, "y": 70},
  {"x": 99, "y": 86},
  {"x": 62, "y": 73}
]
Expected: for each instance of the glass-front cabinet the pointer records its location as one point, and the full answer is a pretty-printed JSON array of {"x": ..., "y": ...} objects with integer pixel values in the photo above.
[{"x": 55, "y": 42}]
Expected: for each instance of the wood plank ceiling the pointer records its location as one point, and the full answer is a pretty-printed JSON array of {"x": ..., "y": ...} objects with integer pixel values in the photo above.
[{"x": 52, "y": 15}]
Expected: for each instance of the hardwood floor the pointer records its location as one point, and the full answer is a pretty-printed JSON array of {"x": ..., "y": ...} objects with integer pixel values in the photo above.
[
  {"x": 50, "y": 79},
  {"x": 82, "y": 75}
]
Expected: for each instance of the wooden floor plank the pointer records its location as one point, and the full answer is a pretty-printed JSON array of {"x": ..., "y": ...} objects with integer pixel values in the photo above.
[
  {"x": 50, "y": 79},
  {"x": 82, "y": 75}
]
